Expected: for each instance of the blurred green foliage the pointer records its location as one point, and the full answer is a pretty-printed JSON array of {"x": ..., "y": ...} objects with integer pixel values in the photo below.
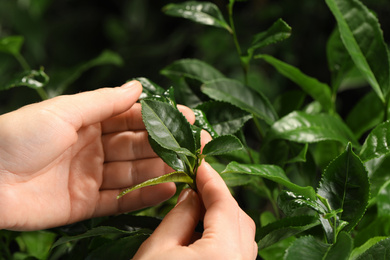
[{"x": 61, "y": 35}]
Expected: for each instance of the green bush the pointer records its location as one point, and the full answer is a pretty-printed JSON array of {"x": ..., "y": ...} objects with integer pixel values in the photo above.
[{"x": 312, "y": 168}]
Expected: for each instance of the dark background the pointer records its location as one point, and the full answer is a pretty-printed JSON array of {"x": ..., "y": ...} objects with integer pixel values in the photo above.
[{"x": 61, "y": 34}]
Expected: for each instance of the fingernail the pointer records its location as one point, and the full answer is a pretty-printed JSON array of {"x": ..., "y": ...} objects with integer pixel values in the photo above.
[
  {"x": 183, "y": 196},
  {"x": 130, "y": 84}
]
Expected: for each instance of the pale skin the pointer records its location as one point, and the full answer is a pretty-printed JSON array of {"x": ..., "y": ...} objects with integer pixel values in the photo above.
[{"x": 66, "y": 159}]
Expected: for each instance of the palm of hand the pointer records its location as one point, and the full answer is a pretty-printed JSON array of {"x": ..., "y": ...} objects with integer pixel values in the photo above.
[
  {"x": 60, "y": 167},
  {"x": 55, "y": 176}
]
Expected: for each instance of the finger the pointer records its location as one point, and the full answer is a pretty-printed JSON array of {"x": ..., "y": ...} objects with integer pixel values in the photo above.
[
  {"x": 177, "y": 228},
  {"x": 94, "y": 106},
  {"x": 108, "y": 204},
  {"x": 221, "y": 209},
  {"x": 118, "y": 175},
  {"x": 126, "y": 146},
  {"x": 205, "y": 137},
  {"x": 132, "y": 119},
  {"x": 128, "y": 120}
]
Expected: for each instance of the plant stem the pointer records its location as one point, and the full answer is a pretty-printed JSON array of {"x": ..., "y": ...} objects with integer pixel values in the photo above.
[
  {"x": 22, "y": 62},
  {"x": 42, "y": 93},
  {"x": 236, "y": 43},
  {"x": 258, "y": 126}
]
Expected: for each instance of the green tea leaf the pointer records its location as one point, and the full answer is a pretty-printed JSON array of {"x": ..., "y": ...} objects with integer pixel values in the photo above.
[
  {"x": 378, "y": 172},
  {"x": 317, "y": 90},
  {"x": 360, "y": 250},
  {"x": 284, "y": 228},
  {"x": 196, "y": 131},
  {"x": 11, "y": 44},
  {"x": 279, "y": 31},
  {"x": 376, "y": 144},
  {"x": 115, "y": 248},
  {"x": 289, "y": 202},
  {"x": 177, "y": 176},
  {"x": 341, "y": 249},
  {"x": 362, "y": 36},
  {"x": 306, "y": 128},
  {"x": 97, "y": 231},
  {"x": 36, "y": 243},
  {"x": 339, "y": 60},
  {"x": 276, "y": 251},
  {"x": 201, "y": 12},
  {"x": 270, "y": 172},
  {"x": 311, "y": 248},
  {"x": 174, "y": 160},
  {"x": 382, "y": 200},
  {"x": 149, "y": 88},
  {"x": 380, "y": 250},
  {"x": 168, "y": 127},
  {"x": 193, "y": 69},
  {"x": 236, "y": 93},
  {"x": 222, "y": 145},
  {"x": 346, "y": 186},
  {"x": 202, "y": 122},
  {"x": 306, "y": 247},
  {"x": 223, "y": 117},
  {"x": 360, "y": 119}
]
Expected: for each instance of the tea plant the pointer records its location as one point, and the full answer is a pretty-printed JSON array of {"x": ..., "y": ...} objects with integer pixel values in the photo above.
[{"x": 316, "y": 182}]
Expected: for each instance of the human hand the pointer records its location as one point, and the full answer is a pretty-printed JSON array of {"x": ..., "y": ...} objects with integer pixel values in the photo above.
[
  {"x": 66, "y": 159},
  {"x": 229, "y": 232}
]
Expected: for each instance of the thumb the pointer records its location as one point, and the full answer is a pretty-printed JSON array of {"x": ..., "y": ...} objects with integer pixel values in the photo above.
[
  {"x": 94, "y": 106},
  {"x": 178, "y": 226}
]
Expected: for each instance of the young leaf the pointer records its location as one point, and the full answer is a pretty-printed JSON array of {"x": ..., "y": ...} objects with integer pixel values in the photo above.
[
  {"x": 168, "y": 127},
  {"x": 202, "y": 122},
  {"x": 236, "y": 93},
  {"x": 317, "y": 90},
  {"x": 34, "y": 79},
  {"x": 270, "y": 172},
  {"x": 181, "y": 177},
  {"x": 346, "y": 186},
  {"x": 279, "y": 31},
  {"x": 11, "y": 44},
  {"x": 221, "y": 145},
  {"x": 224, "y": 118},
  {"x": 362, "y": 36},
  {"x": 196, "y": 131},
  {"x": 149, "y": 88},
  {"x": 201, "y": 12},
  {"x": 285, "y": 228},
  {"x": 306, "y": 128},
  {"x": 193, "y": 69},
  {"x": 376, "y": 144}
]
